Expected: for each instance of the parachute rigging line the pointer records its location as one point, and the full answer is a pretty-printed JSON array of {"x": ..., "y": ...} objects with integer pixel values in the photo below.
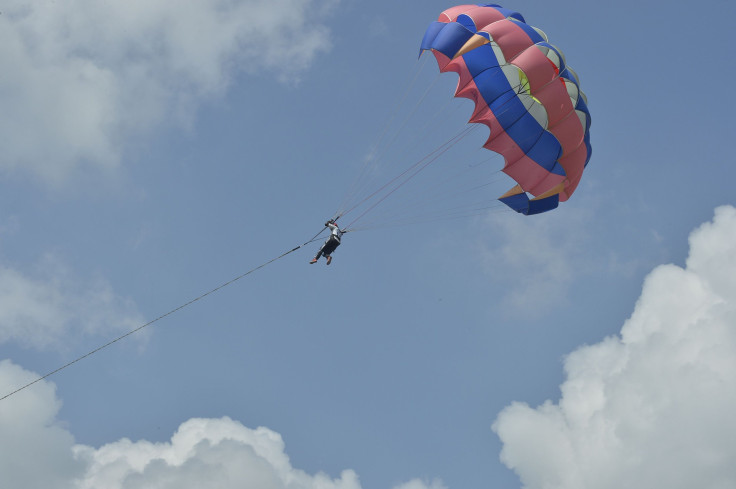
[
  {"x": 407, "y": 174},
  {"x": 419, "y": 165},
  {"x": 415, "y": 167},
  {"x": 416, "y": 212},
  {"x": 212, "y": 291},
  {"x": 359, "y": 182}
]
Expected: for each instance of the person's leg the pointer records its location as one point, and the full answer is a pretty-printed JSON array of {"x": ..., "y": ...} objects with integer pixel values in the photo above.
[{"x": 319, "y": 253}]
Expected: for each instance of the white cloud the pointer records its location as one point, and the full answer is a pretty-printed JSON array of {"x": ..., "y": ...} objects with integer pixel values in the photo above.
[
  {"x": 540, "y": 256},
  {"x": 35, "y": 451},
  {"x": 420, "y": 484},
  {"x": 87, "y": 75},
  {"x": 46, "y": 308},
  {"x": 218, "y": 453},
  {"x": 653, "y": 407},
  {"x": 203, "y": 453}
]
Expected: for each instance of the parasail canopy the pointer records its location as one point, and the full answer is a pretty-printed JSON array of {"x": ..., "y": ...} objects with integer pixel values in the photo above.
[{"x": 524, "y": 92}]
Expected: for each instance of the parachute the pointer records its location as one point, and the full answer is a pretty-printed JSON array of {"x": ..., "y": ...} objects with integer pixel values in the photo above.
[{"x": 524, "y": 92}]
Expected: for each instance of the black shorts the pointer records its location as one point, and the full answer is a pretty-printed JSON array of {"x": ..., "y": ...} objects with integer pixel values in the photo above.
[{"x": 330, "y": 246}]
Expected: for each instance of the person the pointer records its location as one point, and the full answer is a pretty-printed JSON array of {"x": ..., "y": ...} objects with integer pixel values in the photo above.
[{"x": 332, "y": 242}]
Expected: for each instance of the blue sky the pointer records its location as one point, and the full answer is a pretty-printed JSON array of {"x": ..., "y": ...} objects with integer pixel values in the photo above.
[{"x": 155, "y": 150}]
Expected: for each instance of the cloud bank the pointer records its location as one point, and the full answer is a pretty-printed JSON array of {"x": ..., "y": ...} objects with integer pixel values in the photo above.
[
  {"x": 219, "y": 453},
  {"x": 87, "y": 75},
  {"x": 654, "y": 406}
]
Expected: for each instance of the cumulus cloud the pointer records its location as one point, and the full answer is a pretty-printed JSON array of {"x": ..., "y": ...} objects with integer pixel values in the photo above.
[
  {"x": 35, "y": 451},
  {"x": 203, "y": 453},
  {"x": 43, "y": 309},
  {"x": 654, "y": 406},
  {"x": 420, "y": 484},
  {"x": 88, "y": 75},
  {"x": 220, "y": 453}
]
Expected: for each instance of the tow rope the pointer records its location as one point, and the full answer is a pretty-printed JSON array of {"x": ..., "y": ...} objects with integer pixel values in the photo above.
[{"x": 179, "y": 308}]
